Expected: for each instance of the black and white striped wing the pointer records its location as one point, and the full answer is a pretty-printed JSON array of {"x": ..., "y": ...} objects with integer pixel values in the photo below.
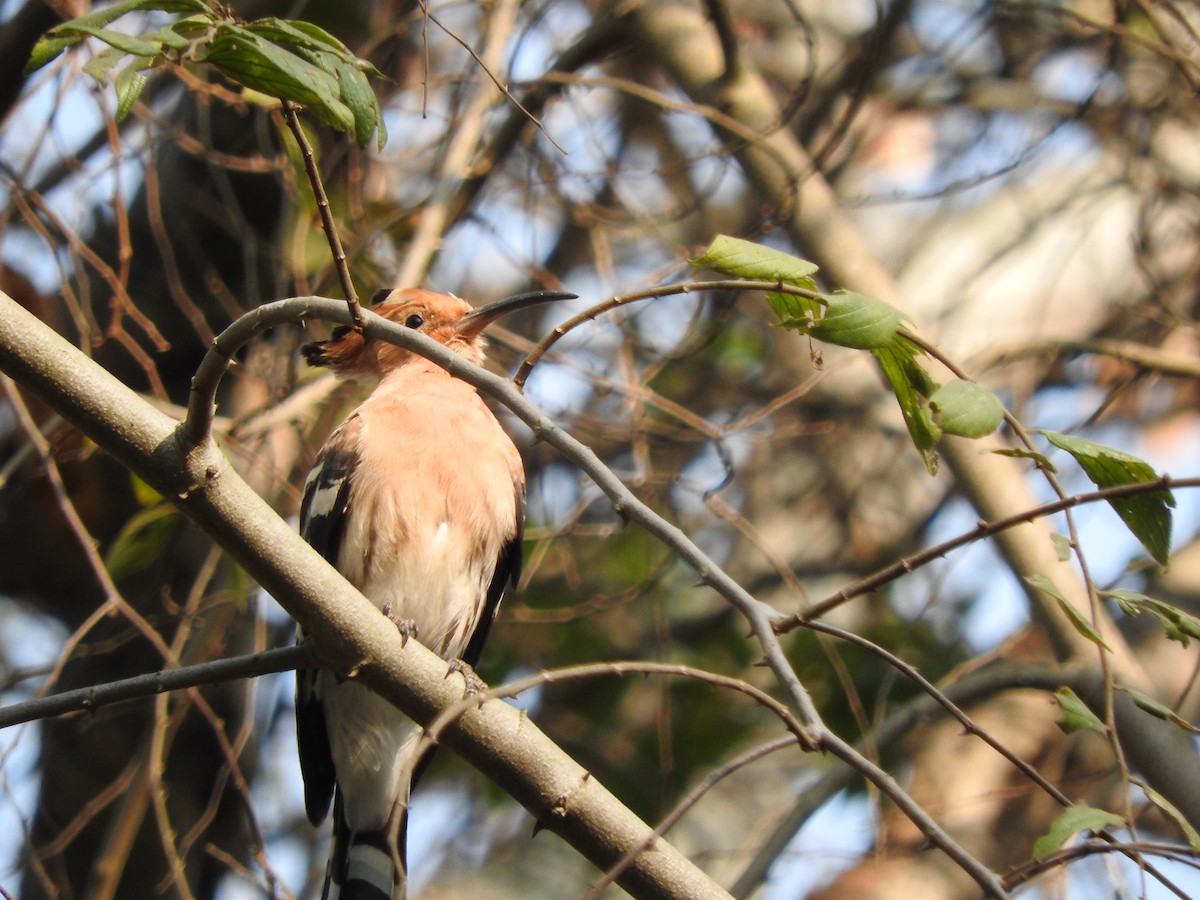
[{"x": 323, "y": 513}]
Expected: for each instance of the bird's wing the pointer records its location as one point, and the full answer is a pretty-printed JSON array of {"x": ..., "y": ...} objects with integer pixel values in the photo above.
[
  {"x": 508, "y": 571},
  {"x": 323, "y": 513}
]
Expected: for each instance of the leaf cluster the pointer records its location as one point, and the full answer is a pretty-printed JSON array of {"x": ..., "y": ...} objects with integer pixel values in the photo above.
[
  {"x": 285, "y": 59},
  {"x": 853, "y": 320}
]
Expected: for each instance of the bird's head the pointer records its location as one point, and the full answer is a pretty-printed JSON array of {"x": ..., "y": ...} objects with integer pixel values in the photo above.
[{"x": 444, "y": 318}]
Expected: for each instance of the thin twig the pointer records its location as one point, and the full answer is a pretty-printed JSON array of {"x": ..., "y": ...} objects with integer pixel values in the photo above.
[
  {"x": 665, "y": 290},
  {"x": 462, "y": 145},
  {"x": 503, "y": 89},
  {"x": 292, "y": 117},
  {"x": 113, "y": 598},
  {"x": 711, "y": 780},
  {"x": 90, "y": 699},
  {"x": 433, "y": 731},
  {"x": 982, "y": 530}
]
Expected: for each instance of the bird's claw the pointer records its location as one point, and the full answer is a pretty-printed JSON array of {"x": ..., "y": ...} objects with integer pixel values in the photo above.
[
  {"x": 474, "y": 684},
  {"x": 406, "y": 627}
]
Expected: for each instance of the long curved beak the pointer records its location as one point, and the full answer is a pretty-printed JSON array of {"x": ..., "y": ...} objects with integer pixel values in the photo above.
[{"x": 480, "y": 318}]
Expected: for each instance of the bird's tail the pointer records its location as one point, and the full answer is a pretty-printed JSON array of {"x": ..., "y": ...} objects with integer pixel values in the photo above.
[{"x": 366, "y": 865}]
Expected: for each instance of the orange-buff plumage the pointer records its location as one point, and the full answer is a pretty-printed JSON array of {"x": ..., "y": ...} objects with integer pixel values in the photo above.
[{"x": 418, "y": 500}]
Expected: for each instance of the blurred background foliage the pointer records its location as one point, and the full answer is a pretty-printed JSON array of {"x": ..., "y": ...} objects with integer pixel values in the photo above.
[{"x": 1027, "y": 173}]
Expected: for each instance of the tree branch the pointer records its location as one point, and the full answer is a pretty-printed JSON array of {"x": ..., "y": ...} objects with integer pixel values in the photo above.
[
  {"x": 92, "y": 698},
  {"x": 349, "y": 634}
]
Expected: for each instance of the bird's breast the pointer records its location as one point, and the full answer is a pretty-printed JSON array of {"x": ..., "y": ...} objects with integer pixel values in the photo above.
[{"x": 435, "y": 503}]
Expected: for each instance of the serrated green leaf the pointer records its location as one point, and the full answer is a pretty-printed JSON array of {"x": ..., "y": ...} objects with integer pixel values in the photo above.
[
  {"x": 966, "y": 409},
  {"x": 1076, "y": 715},
  {"x": 857, "y": 321},
  {"x": 1189, "y": 831},
  {"x": 1070, "y": 822},
  {"x": 129, "y": 85},
  {"x": 1081, "y": 624},
  {"x": 1147, "y": 516},
  {"x": 744, "y": 259},
  {"x": 1148, "y": 704}
]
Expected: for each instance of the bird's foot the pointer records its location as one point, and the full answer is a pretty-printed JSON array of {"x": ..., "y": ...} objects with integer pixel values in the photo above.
[
  {"x": 474, "y": 685},
  {"x": 406, "y": 627}
]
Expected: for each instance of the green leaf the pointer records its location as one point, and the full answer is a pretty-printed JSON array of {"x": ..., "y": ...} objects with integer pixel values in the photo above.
[
  {"x": 1073, "y": 820},
  {"x": 745, "y": 259},
  {"x": 1076, "y": 715},
  {"x": 966, "y": 409},
  {"x": 1193, "y": 837},
  {"x": 795, "y": 311},
  {"x": 294, "y": 34},
  {"x": 172, "y": 37},
  {"x": 190, "y": 27},
  {"x": 260, "y": 65},
  {"x": 142, "y": 540},
  {"x": 1038, "y": 459},
  {"x": 1082, "y": 625},
  {"x": 134, "y": 46},
  {"x": 129, "y": 85},
  {"x": 323, "y": 50},
  {"x": 910, "y": 382},
  {"x": 47, "y": 50},
  {"x": 1062, "y": 546},
  {"x": 1178, "y": 625},
  {"x": 99, "y": 64},
  {"x": 1148, "y": 515},
  {"x": 1159, "y": 710},
  {"x": 71, "y": 33},
  {"x": 361, "y": 101},
  {"x": 857, "y": 321}
]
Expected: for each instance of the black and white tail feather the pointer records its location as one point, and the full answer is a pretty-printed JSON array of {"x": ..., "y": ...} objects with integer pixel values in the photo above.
[{"x": 365, "y": 866}]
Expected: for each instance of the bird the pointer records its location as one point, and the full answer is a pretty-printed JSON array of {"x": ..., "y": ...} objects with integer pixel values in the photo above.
[{"x": 418, "y": 499}]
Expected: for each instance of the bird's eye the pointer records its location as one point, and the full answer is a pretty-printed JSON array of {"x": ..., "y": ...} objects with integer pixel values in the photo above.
[{"x": 414, "y": 321}]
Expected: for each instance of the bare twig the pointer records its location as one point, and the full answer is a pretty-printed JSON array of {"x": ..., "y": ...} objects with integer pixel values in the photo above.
[
  {"x": 461, "y": 146},
  {"x": 486, "y": 63},
  {"x": 982, "y": 530},
  {"x": 711, "y": 780},
  {"x": 328, "y": 224},
  {"x": 90, "y": 699},
  {"x": 665, "y": 290}
]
